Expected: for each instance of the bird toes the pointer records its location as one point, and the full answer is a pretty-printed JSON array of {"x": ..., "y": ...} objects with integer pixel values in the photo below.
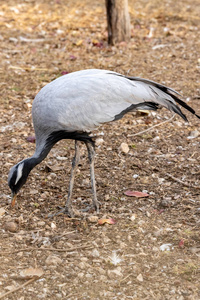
[{"x": 65, "y": 210}]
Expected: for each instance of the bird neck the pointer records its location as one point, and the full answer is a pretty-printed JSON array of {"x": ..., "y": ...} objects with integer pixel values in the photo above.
[{"x": 40, "y": 154}]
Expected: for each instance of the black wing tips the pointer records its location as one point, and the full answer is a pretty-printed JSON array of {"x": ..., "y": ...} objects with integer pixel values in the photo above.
[
  {"x": 183, "y": 104},
  {"x": 170, "y": 92}
]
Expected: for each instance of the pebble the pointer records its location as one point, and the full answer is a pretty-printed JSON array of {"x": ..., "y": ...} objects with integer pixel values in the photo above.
[
  {"x": 124, "y": 148},
  {"x": 41, "y": 223},
  {"x": 166, "y": 247},
  {"x": 2, "y": 211},
  {"x": 53, "y": 260},
  {"x": 86, "y": 181},
  {"x": 193, "y": 134},
  {"x": 11, "y": 226},
  {"x": 148, "y": 214},
  {"x": 95, "y": 253},
  {"x": 99, "y": 141},
  {"x": 82, "y": 265},
  {"x": 53, "y": 225},
  {"x": 133, "y": 217},
  {"x": 140, "y": 278},
  {"x": 92, "y": 219},
  {"x": 81, "y": 275}
]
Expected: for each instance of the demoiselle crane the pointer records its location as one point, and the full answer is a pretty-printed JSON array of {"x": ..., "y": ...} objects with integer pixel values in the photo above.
[{"x": 73, "y": 105}]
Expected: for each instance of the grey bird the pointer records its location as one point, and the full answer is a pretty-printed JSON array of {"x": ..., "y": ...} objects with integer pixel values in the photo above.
[{"x": 73, "y": 105}]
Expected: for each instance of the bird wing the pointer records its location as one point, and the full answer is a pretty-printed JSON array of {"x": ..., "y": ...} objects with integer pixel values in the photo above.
[{"x": 83, "y": 100}]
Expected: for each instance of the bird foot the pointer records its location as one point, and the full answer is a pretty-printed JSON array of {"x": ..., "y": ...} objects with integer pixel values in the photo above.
[
  {"x": 64, "y": 210},
  {"x": 94, "y": 206}
]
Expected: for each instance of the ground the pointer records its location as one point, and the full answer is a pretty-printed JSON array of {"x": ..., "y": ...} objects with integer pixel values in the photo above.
[{"x": 78, "y": 258}]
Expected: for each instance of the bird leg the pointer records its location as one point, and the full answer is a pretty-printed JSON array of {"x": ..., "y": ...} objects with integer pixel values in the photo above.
[
  {"x": 91, "y": 156},
  {"x": 68, "y": 206},
  {"x": 75, "y": 162}
]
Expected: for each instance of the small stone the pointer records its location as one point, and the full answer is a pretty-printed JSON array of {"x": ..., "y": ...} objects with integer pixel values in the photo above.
[
  {"x": 107, "y": 197},
  {"x": 11, "y": 226},
  {"x": 86, "y": 181},
  {"x": 193, "y": 134},
  {"x": 124, "y": 148},
  {"x": 81, "y": 275},
  {"x": 2, "y": 211},
  {"x": 133, "y": 217},
  {"x": 99, "y": 141},
  {"x": 92, "y": 219},
  {"x": 53, "y": 260},
  {"x": 53, "y": 225},
  {"x": 95, "y": 253},
  {"x": 84, "y": 258},
  {"x": 43, "y": 196},
  {"x": 148, "y": 214},
  {"x": 41, "y": 223},
  {"x": 166, "y": 247},
  {"x": 140, "y": 278}
]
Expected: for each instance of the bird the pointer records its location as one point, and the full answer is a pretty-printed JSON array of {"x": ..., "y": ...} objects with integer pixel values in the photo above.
[{"x": 75, "y": 104}]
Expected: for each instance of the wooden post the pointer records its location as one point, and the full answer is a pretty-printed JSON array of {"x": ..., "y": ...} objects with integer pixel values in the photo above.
[{"x": 118, "y": 21}]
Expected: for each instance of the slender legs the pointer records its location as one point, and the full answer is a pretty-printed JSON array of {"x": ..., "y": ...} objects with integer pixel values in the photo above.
[
  {"x": 91, "y": 156},
  {"x": 75, "y": 161}
]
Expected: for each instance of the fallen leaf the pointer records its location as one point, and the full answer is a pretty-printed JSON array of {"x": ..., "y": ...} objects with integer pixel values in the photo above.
[
  {"x": 31, "y": 272},
  {"x": 31, "y": 139},
  {"x": 181, "y": 243},
  {"x": 72, "y": 57},
  {"x": 136, "y": 194},
  {"x": 108, "y": 221},
  {"x": 64, "y": 72}
]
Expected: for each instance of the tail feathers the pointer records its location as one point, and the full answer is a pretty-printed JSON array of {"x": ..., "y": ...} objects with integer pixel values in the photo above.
[
  {"x": 178, "y": 111},
  {"x": 185, "y": 105},
  {"x": 174, "y": 94}
]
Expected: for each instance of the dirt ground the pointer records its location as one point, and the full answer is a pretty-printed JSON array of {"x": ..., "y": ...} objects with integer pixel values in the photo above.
[{"x": 153, "y": 249}]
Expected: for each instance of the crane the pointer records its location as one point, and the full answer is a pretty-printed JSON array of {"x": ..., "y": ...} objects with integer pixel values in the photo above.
[{"x": 73, "y": 105}]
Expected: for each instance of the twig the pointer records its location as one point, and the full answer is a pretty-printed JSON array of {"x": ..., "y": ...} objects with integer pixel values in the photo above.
[
  {"x": 125, "y": 278},
  {"x": 18, "y": 288},
  {"x": 48, "y": 249},
  {"x": 150, "y": 128},
  {"x": 182, "y": 182}
]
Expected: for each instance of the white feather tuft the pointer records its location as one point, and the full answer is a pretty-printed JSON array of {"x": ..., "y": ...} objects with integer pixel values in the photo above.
[
  {"x": 19, "y": 172},
  {"x": 114, "y": 258}
]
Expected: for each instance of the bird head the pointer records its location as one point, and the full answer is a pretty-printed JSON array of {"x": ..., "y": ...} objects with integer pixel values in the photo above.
[{"x": 17, "y": 178}]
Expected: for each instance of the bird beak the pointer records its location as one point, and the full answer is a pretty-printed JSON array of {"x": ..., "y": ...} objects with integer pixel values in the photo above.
[{"x": 14, "y": 196}]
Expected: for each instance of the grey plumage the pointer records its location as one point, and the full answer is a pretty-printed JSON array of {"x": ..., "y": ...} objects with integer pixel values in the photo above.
[{"x": 75, "y": 104}]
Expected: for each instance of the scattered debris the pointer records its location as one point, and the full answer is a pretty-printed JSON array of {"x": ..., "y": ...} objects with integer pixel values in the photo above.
[
  {"x": 166, "y": 247},
  {"x": 136, "y": 194}
]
